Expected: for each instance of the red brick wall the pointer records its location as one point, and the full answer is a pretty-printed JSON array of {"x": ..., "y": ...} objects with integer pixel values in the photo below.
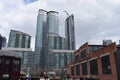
[{"x": 108, "y": 49}]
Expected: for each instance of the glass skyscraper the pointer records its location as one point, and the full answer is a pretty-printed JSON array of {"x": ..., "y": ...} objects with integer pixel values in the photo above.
[
  {"x": 19, "y": 39},
  {"x": 19, "y": 42},
  {"x": 53, "y": 22},
  {"x": 55, "y": 60},
  {"x": 2, "y": 42},
  {"x": 70, "y": 36},
  {"x": 70, "y": 33},
  {"x": 40, "y": 41},
  {"x": 47, "y": 39}
]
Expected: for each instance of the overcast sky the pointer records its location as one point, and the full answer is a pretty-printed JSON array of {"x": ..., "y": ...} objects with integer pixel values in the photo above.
[{"x": 95, "y": 20}]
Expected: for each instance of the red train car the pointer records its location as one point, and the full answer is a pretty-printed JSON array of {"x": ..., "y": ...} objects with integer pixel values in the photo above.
[{"x": 10, "y": 65}]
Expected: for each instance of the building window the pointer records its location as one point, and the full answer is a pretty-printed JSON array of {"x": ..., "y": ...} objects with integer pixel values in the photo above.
[
  {"x": 7, "y": 66},
  {"x": 78, "y": 69},
  {"x": 106, "y": 68},
  {"x": 84, "y": 68},
  {"x": 90, "y": 49},
  {"x": 93, "y": 67},
  {"x": 72, "y": 70},
  {"x": 16, "y": 65},
  {"x": 83, "y": 53},
  {"x": 77, "y": 57},
  {"x": 0, "y": 63}
]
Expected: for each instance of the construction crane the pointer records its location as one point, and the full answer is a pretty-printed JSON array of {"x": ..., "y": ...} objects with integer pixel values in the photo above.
[{"x": 67, "y": 13}]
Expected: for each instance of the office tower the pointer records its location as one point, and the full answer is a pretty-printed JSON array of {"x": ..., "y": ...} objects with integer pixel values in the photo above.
[
  {"x": 70, "y": 33},
  {"x": 53, "y": 22},
  {"x": 19, "y": 39},
  {"x": 40, "y": 38},
  {"x": 47, "y": 28},
  {"x": 2, "y": 41},
  {"x": 70, "y": 36},
  {"x": 53, "y": 33},
  {"x": 48, "y": 39},
  {"x": 55, "y": 60},
  {"x": 20, "y": 42}
]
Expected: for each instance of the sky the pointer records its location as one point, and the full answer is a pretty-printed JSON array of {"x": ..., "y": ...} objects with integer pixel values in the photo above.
[{"x": 95, "y": 20}]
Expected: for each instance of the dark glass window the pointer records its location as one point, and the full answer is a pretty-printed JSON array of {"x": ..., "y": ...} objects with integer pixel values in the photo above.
[
  {"x": 84, "y": 68},
  {"x": 7, "y": 66},
  {"x": 0, "y": 63},
  {"x": 106, "y": 68},
  {"x": 29, "y": 42},
  {"x": 83, "y": 53},
  {"x": 93, "y": 67},
  {"x": 76, "y": 57},
  {"x": 72, "y": 70},
  {"x": 17, "y": 40},
  {"x": 78, "y": 69},
  {"x": 16, "y": 65},
  {"x": 23, "y": 41},
  {"x": 90, "y": 49}
]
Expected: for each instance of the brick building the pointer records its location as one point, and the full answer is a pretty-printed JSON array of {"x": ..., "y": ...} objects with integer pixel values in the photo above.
[{"x": 95, "y": 62}]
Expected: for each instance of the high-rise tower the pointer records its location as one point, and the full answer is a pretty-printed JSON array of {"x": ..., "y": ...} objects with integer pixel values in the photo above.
[
  {"x": 53, "y": 22},
  {"x": 2, "y": 42},
  {"x": 18, "y": 39},
  {"x": 70, "y": 36},
  {"x": 20, "y": 42},
  {"x": 47, "y": 38},
  {"x": 40, "y": 38},
  {"x": 70, "y": 33}
]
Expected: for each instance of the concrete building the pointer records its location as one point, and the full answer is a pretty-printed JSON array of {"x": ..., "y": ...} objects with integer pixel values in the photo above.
[{"x": 95, "y": 62}]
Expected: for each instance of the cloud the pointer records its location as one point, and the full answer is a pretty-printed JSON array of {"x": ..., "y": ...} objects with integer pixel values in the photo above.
[{"x": 94, "y": 19}]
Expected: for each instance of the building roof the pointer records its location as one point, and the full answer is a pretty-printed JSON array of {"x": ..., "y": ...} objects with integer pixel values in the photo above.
[
  {"x": 8, "y": 53},
  {"x": 19, "y": 32}
]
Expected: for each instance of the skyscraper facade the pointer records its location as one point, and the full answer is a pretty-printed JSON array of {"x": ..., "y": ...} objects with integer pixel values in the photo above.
[
  {"x": 20, "y": 42},
  {"x": 70, "y": 33},
  {"x": 70, "y": 36},
  {"x": 52, "y": 38},
  {"x": 53, "y": 22},
  {"x": 47, "y": 29},
  {"x": 2, "y": 41},
  {"x": 41, "y": 33},
  {"x": 18, "y": 39},
  {"x": 48, "y": 39},
  {"x": 55, "y": 60}
]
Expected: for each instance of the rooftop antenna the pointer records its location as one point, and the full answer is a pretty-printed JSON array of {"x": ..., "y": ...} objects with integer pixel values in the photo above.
[{"x": 67, "y": 13}]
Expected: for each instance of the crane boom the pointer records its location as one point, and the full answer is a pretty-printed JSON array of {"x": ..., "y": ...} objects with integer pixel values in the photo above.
[{"x": 67, "y": 13}]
